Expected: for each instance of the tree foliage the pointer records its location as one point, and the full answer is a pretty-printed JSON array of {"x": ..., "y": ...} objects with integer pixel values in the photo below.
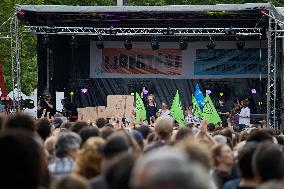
[{"x": 28, "y": 52}]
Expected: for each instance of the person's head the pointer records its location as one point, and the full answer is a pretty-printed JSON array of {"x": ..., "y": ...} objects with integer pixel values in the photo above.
[
  {"x": 78, "y": 126},
  {"x": 245, "y": 103},
  {"x": 197, "y": 152},
  {"x": 88, "y": 132},
  {"x": 105, "y": 132},
  {"x": 259, "y": 135},
  {"x": 43, "y": 128},
  {"x": 183, "y": 133},
  {"x": 137, "y": 136},
  {"x": 222, "y": 156},
  {"x": 57, "y": 122},
  {"x": 189, "y": 108},
  {"x": 115, "y": 144},
  {"x": 164, "y": 127},
  {"x": 66, "y": 125},
  {"x": 222, "y": 102},
  {"x": 151, "y": 98},
  {"x": 268, "y": 162},
  {"x": 67, "y": 145},
  {"x": 245, "y": 155},
  {"x": 71, "y": 182},
  {"x": 220, "y": 139},
  {"x": 164, "y": 106},
  {"x": 168, "y": 168},
  {"x": 22, "y": 161},
  {"x": 100, "y": 122},
  {"x": 118, "y": 172},
  {"x": 88, "y": 162},
  {"x": 211, "y": 127},
  {"x": 20, "y": 121},
  {"x": 144, "y": 130}
]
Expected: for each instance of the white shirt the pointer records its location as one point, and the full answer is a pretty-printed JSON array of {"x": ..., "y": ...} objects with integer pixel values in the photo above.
[
  {"x": 164, "y": 113},
  {"x": 244, "y": 116}
]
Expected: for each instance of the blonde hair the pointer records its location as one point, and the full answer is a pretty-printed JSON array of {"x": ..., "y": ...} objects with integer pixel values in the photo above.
[{"x": 88, "y": 162}]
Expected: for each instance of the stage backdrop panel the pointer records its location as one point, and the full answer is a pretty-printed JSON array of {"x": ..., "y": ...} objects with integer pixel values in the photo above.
[{"x": 196, "y": 62}]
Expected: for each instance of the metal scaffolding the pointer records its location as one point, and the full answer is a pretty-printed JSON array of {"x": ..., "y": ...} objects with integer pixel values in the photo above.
[
  {"x": 49, "y": 30},
  {"x": 15, "y": 62},
  {"x": 272, "y": 35}
]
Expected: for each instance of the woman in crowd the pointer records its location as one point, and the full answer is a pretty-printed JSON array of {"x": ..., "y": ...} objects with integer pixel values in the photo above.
[{"x": 164, "y": 111}]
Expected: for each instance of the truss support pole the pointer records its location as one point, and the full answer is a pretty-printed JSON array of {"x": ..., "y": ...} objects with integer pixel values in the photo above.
[
  {"x": 16, "y": 65},
  {"x": 272, "y": 70}
]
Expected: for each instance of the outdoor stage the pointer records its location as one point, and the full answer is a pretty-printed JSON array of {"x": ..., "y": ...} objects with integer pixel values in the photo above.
[{"x": 118, "y": 50}]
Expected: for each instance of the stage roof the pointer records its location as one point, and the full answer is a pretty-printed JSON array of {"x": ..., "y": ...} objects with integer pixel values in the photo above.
[
  {"x": 205, "y": 16},
  {"x": 123, "y": 9}
]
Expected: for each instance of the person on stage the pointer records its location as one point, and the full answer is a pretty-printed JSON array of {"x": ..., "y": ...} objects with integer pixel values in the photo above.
[
  {"x": 46, "y": 103},
  {"x": 150, "y": 105},
  {"x": 244, "y": 115},
  {"x": 164, "y": 111},
  {"x": 224, "y": 112}
]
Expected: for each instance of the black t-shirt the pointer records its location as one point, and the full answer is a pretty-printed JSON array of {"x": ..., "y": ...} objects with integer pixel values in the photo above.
[
  {"x": 151, "y": 111},
  {"x": 223, "y": 109}
]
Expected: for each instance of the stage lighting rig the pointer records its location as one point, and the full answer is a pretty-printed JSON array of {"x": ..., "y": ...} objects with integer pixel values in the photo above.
[
  {"x": 168, "y": 31},
  {"x": 155, "y": 43},
  {"x": 240, "y": 44},
  {"x": 111, "y": 31},
  {"x": 100, "y": 43},
  {"x": 183, "y": 44},
  {"x": 211, "y": 45},
  {"x": 128, "y": 43}
]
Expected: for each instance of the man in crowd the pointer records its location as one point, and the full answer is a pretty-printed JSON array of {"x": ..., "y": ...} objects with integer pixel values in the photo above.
[{"x": 66, "y": 149}]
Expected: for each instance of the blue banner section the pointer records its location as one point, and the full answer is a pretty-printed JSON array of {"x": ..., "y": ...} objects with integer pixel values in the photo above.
[{"x": 230, "y": 62}]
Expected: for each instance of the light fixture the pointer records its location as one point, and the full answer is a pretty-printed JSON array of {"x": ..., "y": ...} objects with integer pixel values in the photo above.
[
  {"x": 111, "y": 31},
  {"x": 182, "y": 44},
  {"x": 127, "y": 43},
  {"x": 155, "y": 43},
  {"x": 84, "y": 90},
  {"x": 100, "y": 43},
  {"x": 230, "y": 31},
  {"x": 208, "y": 91},
  {"x": 211, "y": 45},
  {"x": 253, "y": 91},
  {"x": 73, "y": 42},
  {"x": 168, "y": 31},
  {"x": 240, "y": 44}
]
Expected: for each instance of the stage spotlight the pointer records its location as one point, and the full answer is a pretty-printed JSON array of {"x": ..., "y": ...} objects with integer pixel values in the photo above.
[
  {"x": 240, "y": 44},
  {"x": 208, "y": 91},
  {"x": 128, "y": 44},
  {"x": 111, "y": 31},
  {"x": 168, "y": 31},
  {"x": 221, "y": 94},
  {"x": 84, "y": 90},
  {"x": 211, "y": 45},
  {"x": 155, "y": 43},
  {"x": 182, "y": 44},
  {"x": 100, "y": 43},
  {"x": 253, "y": 91},
  {"x": 73, "y": 42},
  {"x": 72, "y": 93},
  {"x": 230, "y": 31}
]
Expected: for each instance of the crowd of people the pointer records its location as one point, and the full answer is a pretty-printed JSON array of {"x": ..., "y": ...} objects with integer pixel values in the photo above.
[{"x": 54, "y": 154}]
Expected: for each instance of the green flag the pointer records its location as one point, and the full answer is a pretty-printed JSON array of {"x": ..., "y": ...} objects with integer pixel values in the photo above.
[
  {"x": 209, "y": 112},
  {"x": 195, "y": 108},
  {"x": 140, "y": 109},
  {"x": 177, "y": 110}
]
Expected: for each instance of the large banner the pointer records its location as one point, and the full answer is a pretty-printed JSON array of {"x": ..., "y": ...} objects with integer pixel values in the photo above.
[
  {"x": 196, "y": 62},
  {"x": 142, "y": 61},
  {"x": 230, "y": 62}
]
